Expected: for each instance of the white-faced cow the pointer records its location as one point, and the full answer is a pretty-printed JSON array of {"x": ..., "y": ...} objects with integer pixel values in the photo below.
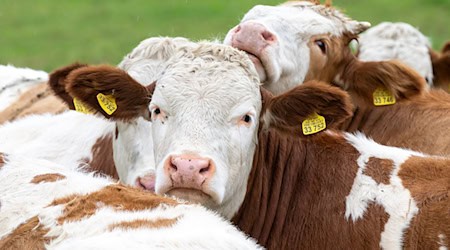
[
  {"x": 24, "y": 91},
  {"x": 401, "y": 41},
  {"x": 77, "y": 140},
  {"x": 300, "y": 41},
  {"x": 47, "y": 206},
  {"x": 226, "y": 143}
]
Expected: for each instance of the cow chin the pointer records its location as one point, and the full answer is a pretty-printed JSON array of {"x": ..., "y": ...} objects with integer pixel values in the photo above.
[{"x": 193, "y": 196}]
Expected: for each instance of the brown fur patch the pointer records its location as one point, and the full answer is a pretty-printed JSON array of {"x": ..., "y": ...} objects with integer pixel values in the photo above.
[
  {"x": 2, "y": 159},
  {"x": 118, "y": 196},
  {"x": 143, "y": 223},
  {"x": 57, "y": 82},
  {"x": 102, "y": 158},
  {"x": 441, "y": 67},
  {"x": 428, "y": 180},
  {"x": 29, "y": 235},
  {"x": 47, "y": 178},
  {"x": 379, "y": 169},
  {"x": 37, "y": 100},
  {"x": 132, "y": 98}
]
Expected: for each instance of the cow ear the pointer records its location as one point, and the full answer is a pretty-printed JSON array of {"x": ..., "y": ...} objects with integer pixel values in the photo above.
[
  {"x": 57, "y": 82},
  {"x": 110, "y": 91},
  {"x": 363, "y": 78},
  {"x": 287, "y": 112}
]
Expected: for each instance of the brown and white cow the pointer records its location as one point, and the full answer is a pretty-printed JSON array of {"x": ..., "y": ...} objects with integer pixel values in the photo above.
[
  {"x": 387, "y": 41},
  {"x": 223, "y": 141},
  {"x": 24, "y": 91},
  {"x": 300, "y": 41},
  {"x": 74, "y": 139},
  {"x": 47, "y": 206}
]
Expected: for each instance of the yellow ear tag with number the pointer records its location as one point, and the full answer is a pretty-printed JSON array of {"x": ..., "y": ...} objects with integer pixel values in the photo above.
[
  {"x": 107, "y": 102},
  {"x": 81, "y": 107},
  {"x": 313, "y": 124},
  {"x": 382, "y": 97}
]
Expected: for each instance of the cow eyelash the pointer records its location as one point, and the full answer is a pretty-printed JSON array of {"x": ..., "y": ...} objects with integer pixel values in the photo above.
[{"x": 321, "y": 45}]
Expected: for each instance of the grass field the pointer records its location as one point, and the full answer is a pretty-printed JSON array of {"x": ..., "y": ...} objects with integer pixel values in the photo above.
[{"x": 47, "y": 34}]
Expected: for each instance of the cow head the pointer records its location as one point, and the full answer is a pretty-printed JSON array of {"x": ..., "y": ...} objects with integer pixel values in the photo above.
[
  {"x": 133, "y": 159},
  {"x": 206, "y": 110},
  {"x": 387, "y": 41},
  {"x": 300, "y": 41}
]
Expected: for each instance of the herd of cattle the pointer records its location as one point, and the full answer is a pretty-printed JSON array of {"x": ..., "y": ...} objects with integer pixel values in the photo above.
[{"x": 282, "y": 137}]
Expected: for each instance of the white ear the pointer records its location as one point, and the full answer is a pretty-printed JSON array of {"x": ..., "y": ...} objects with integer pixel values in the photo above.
[{"x": 356, "y": 27}]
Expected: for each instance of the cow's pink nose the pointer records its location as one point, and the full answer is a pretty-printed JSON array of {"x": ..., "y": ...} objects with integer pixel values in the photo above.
[
  {"x": 189, "y": 171},
  {"x": 250, "y": 34},
  {"x": 146, "y": 182}
]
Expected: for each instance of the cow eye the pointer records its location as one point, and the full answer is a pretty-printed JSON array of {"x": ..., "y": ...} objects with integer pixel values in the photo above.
[
  {"x": 321, "y": 45},
  {"x": 157, "y": 111},
  {"x": 247, "y": 118}
]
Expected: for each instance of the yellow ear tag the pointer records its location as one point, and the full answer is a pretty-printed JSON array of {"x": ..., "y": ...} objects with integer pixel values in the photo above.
[
  {"x": 107, "y": 102},
  {"x": 382, "y": 97},
  {"x": 313, "y": 124},
  {"x": 81, "y": 107}
]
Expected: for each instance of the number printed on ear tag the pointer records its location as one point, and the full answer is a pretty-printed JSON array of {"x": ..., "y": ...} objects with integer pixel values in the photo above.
[
  {"x": 382, "y": 97},
  {"x": 313, "y": 124},
  {"x": 81, "y": 107},
  {"x": 107, "y": 102}
]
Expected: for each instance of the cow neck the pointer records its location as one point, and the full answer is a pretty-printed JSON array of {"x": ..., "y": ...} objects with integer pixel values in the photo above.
[
  {"x": 102, "y": 160},
  {"x": 268, "y": 193},
  {"x": 296, "y": 195}
]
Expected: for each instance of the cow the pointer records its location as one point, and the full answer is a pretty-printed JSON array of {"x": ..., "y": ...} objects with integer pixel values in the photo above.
[
  {"x": 275, "y": 165},
  {"x": 299, "y": 41},
  {"x": 75, "y": 139},
  {"x": 403, "y": 42},
  {"x": 47, "y": 206},
  {"x": 387, "y": 41},
  {"x": 25, "y": 91}
]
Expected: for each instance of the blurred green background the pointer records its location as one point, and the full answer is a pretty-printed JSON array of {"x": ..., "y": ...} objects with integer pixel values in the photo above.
[{"x": 46, "y": 34}]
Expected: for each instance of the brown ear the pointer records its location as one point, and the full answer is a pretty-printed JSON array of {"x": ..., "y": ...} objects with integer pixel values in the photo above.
[
  {"x": 446, "y": 47},
  {"x": 131, "y": 98},
  {"x": 57, "y": 82},
  {"x": 441, "y": 68},
  {"x": 363, "y": 78},
  {"x": 286, "y": 112}
]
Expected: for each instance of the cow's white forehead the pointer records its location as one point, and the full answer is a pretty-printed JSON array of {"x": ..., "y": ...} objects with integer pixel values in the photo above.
[
  {"x": 312, "y": 18},
  {"x": 210, "y": 73}
]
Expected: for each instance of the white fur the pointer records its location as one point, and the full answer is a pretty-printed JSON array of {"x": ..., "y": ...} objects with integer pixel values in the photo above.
[
  {"x": 205, "y": 91},
  {"x": 401, "y": 41},
  {"x": 196, "y": 228},
  {"x": 287, "y": 61},
  {"x": 394, "y": 197},
  {"x": 15, "y": 81},
  {"x": 441, "y": 242}
]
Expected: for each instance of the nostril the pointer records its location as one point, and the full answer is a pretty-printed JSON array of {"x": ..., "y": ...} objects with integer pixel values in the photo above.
[
  {"x": 268, "y": 36},
  {"x": 204, "y": 170},
  {"x": 173, "y": 166},
  {"x": 238, "y": 28}
]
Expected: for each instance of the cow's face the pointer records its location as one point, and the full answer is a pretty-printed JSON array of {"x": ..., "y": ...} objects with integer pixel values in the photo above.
[
  {"x": 286, "y": 41},
  {"x": 387, "y": 41},
  {"x": 204, "y": 114}
]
